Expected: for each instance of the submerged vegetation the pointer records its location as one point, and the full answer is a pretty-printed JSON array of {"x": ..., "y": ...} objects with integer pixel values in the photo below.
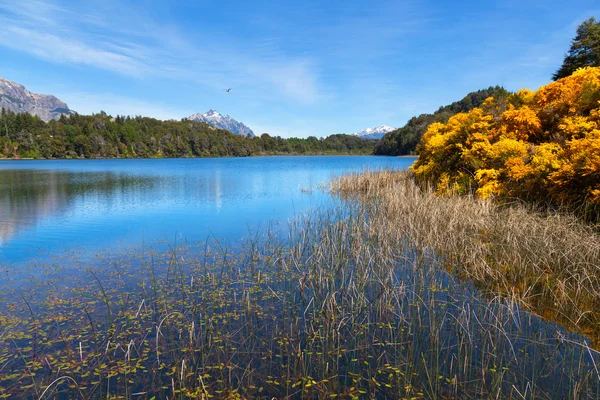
[
  {"x": 102, "y": 136},
  {"x": 360, "y": 301}
]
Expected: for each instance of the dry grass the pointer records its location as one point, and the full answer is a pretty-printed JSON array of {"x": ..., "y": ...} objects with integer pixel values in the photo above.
[{"x": 549, "y": 263}]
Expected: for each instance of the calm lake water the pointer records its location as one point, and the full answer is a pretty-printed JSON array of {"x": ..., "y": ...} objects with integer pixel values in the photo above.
[
  {"x": 55, "y": 216},
  {"x": 52, "y": 207}
]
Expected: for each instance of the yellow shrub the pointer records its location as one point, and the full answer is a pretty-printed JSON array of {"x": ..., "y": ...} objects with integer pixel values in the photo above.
[
  {"x": 521, "y": 123},
  {"x": 534, "y": 145}
]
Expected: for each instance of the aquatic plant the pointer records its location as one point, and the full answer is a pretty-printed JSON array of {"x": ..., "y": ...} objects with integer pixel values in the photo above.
[
  {"x": 547, "y": 262},
  {"x": 352, "y": 303}
]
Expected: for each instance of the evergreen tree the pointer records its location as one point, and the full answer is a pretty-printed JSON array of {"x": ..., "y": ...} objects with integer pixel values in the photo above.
[
  {"x": 584, "y": 51},
  {"x": 102, "y": 136}
]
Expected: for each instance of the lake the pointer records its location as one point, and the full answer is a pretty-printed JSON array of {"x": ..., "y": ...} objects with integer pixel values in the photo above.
[
  {"x": 338, "y": 306},
  {"x": 52, "y": 207}
]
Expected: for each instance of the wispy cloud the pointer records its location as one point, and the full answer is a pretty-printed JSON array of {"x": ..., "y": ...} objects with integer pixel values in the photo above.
[
  {"x": 54, "y": 34},
  {"x": 143, "y": 48},
  {"x": 295, "y": 79},
  {"x": 62, "y": 50},
  {"x": 34, "y": 11}
]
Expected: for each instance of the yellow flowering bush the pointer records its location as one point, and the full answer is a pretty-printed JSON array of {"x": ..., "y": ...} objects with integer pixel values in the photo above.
[{"x": 542, "y": 146}]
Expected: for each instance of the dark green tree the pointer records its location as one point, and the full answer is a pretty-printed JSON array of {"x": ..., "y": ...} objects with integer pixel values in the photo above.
[
  {"x": 584, "y": 51},
  {"x": 102, "y": 136}
]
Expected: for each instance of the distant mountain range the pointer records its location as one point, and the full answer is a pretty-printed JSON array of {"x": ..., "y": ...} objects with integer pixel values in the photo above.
[
  {"x": 16, "y": 98},
  {"x": 213, "y": 118},
  {"x": 374, "y": 133}
]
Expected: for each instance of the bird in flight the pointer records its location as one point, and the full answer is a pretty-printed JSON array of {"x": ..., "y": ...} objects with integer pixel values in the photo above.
[{"x": 227, "y": 90}]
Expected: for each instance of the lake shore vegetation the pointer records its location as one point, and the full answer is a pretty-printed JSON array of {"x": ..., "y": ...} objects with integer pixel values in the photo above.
[
  {"x": 546, "y": 262},
  {"x": 541, "y": 147},
  {"x": 370, "y": 299},
  {"x": 77, "y": 136}
]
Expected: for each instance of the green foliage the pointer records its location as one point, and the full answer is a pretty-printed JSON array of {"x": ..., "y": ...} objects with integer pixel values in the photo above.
[
  {"x": 584, "y": 51},
  {"x": 102, "y": 136},
  {"x": 404, "y": 140}
]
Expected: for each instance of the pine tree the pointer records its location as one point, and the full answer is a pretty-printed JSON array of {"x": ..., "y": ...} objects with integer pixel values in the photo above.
[{"x": 584, "y": 51}]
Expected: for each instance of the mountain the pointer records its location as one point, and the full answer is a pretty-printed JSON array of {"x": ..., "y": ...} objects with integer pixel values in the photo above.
[
  {"x": 213, "y": 118},
  {"x": 16, "y": 98},
  {"x": 374, "y": 133}
]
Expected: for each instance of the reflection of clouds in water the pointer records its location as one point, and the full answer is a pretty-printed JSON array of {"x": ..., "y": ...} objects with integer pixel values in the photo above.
[
  {"x": 26, "y": 199},
  {"x": 56, "y": 205},
  {"x": 30, "y": 196},
  {"x": 7, "y": 229}
]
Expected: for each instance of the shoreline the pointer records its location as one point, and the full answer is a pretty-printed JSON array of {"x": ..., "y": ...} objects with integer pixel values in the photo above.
[
  {"x": 201, "y": 158},
  {"x": 503, "y": 251}
]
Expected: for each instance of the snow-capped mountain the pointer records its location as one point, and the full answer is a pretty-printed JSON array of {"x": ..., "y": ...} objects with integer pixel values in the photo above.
[
  {"x": 16, "y": 98},
  {"x": 213, "y": 118},
  {"x": 374, "y": 133}
]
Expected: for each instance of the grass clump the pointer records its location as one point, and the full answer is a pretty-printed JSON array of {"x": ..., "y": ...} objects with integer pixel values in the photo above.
[{"x": 547, "y": 262}]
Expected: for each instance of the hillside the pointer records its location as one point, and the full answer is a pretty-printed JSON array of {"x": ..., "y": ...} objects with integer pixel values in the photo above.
[{"x": 404, "y": 140}]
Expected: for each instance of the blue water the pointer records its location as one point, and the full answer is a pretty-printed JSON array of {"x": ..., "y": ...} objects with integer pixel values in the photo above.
[{"x": 53, "y": 207}]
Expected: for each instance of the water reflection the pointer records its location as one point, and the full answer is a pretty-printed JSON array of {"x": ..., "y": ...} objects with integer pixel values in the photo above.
[
  {"x": 53, "y": 206},
  {"x": 28, "y": 196}
]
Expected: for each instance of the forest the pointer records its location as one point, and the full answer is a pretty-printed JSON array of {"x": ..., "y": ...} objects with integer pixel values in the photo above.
[{"x": 103, "y": 136}]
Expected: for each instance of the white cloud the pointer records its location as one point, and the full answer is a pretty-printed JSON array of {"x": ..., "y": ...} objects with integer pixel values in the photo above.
[
  {"x": 32, "y": 10},
  {"x": 142, "y": 48},
  {"x": 65, "y": 50},
  {"x": 297, "y": 81}
]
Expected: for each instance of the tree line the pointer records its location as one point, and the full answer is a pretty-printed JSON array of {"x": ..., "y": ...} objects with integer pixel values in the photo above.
[{"x": 102, "y": 136}]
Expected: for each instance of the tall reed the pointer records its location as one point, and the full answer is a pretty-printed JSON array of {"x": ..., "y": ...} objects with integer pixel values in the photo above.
[
  {"x": 355, "y": 302},
  {"x": 547, "y": 262}
]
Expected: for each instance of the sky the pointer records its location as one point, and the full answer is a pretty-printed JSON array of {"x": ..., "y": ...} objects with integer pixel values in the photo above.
[{"x": 308, "y": 68}]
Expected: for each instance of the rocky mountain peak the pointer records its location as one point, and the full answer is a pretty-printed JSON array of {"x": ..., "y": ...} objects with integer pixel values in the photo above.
[
  {"x": 214, "y": 118},
  {"x": 374, "y": 133},
  {"x": 16, "y": 98}
]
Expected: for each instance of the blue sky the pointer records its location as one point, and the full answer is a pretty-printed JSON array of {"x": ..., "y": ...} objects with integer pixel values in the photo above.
[{"x": 295, "y": 68}]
